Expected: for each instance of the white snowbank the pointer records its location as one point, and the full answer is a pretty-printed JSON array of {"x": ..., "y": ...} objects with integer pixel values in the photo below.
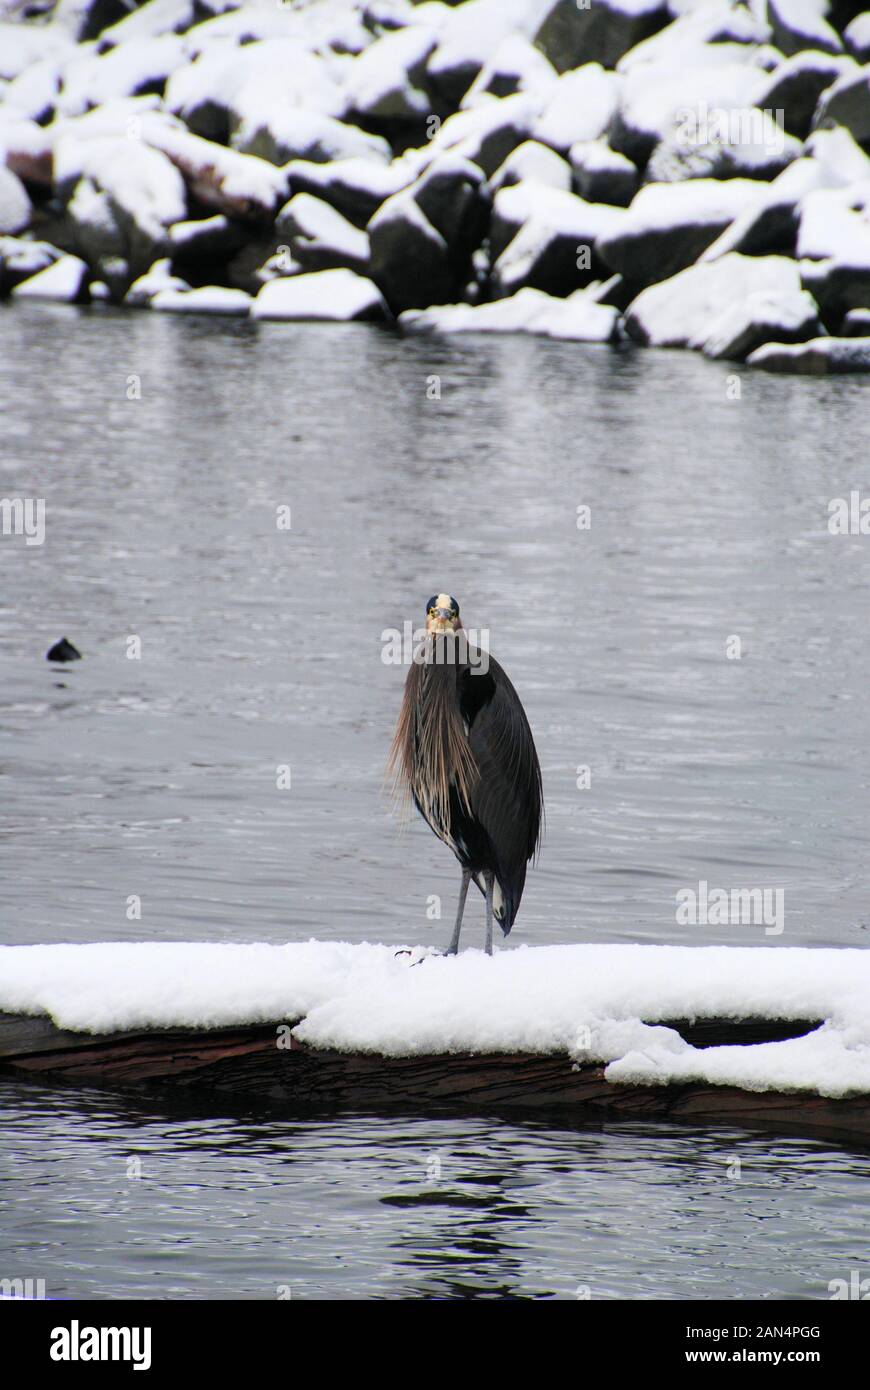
[
  {"x": 578, "y": 318},
  {"x": 337, "y": 295},
  {"x": 593, "y": 1003}
]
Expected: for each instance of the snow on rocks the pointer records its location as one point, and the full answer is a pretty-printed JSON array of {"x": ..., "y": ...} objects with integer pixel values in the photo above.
[
  {"x": 319, "y": 237},
  {"x": 856, "y": 324},
  {"x": 593, "y": 1003},
  {"x": 208, "y": 299},
  {"x": 700, "y": 305},
  {"x": 337, "y": 295},
  {"x": 847, "y": 104},
  {"x": 515, "y": 66},
  {"x": 600, "y": 30},
  {"x": 96, "y": 78},
  {"x": 788, "y": 316},
  {"x": 65, "y": 281},
  {"x": 240, "y": 185},
  {"x": 601, "y": 175},
  {"x": 155, "y": 281},
  {"x": 386, "y": 82},
  {"x": 579, "y": 317},
  {"x": 580, "y": 106},
  {"x": 284, "y": 135},
  {"x": 532, "y": 160},
  {"x": 817, "y": 357},
  {"x": 150, "y": 20},
  {"x": 25, "y": 148},
  {"x": 121, "y": 197},
  {"x": 422, "y": 238},
  {"x": 833, "y": 243},
  {"x": 557, "y": 245},
  {"x": 354, "y": 187},
  {"x": 798, "y": 25},
  {"x": 20, "y": 258},
  {"x": 857, "y": 37},
  {"x": 15, "y": 209},
  {"x": 794, "y": 87},
  {"x": 469, "y": 35},
  {"x": 667, "y": 226}
]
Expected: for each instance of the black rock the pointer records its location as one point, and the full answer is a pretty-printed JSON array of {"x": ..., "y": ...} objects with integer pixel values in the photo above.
[{"x": 63, "y": 651}]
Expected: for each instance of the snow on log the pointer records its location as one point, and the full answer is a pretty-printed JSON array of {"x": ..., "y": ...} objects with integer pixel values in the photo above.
[{"x": 766, "y": 1034}]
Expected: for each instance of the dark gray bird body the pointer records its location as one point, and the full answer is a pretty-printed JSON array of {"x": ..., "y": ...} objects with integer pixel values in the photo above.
[{"x": 465, "y": 752}]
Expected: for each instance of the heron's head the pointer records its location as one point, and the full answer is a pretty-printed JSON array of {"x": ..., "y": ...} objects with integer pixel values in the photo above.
[{"x": 442, "y": 614}]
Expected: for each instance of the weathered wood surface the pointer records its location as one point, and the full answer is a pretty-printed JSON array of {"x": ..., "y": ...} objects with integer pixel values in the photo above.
[{"x": 230, "y": 1065}]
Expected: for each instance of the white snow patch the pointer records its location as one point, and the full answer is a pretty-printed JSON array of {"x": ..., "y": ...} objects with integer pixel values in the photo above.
[
  {"x": 593, "y": 1003},
  {"x": 578, "y": 318},
  {"x": 337, "y": 295},
  {"x": 208, "y": 299}
]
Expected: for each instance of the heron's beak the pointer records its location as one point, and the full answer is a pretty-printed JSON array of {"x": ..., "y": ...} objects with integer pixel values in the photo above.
[{"x": 441, "y": 620}]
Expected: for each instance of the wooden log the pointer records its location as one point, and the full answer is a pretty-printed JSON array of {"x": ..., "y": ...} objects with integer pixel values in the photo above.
[{"x": 227, "y": 1067}]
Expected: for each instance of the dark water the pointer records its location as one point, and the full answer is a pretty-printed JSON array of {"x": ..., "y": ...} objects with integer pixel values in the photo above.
[
  {"x": 261, "y": 648},
  {"x": 126, "y": 1203}
]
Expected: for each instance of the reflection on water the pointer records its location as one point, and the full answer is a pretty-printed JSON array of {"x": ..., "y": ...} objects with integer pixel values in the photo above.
[
  {"x": 261, "y": 647},
  {"x": 406, "y": 1208}
]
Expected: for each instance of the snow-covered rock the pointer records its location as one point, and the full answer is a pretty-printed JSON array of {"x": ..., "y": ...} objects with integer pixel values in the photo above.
[
  {"x": 687, "y": 108},
  {"x": 599, "y": 30},
  {"x": 601, "y": 175},
  {"x": 319, "y": 237},
  {"x": 469, "y": 35},
  {"x": 291, "y": 133},
  {"x": 556, "y": 246},
  {"x": 801, "y": 24},
  {"x": 534, "y": 161},
  {"x": 150, "y": 20},
  {"x": 354, "y": 187},
  {"x": 92, "y": 79},
  {"x": 794, "y": 87},
  {"x": 487, "y": 134},
  {"x": 579, "y": 106},
  {"x": 121, "y": 197},
  {"x": 686, "y": 310},
  {"x": 833, "y": 243},
  {"x": 667, "y": 226},
  {"x": 208, "y": 299},
  {"x": 204, "y": 240},
  {"x": 158, "y": 279},
  {"x": 15, "y": 208},
  {"x": 579, "y": 317},
  {"x": 857, "y": 36},
  {"x": 784, "y": 316},
  {"x": 387, "y": 81},
  {"x": 814, "y": 358},
  {"x": 240, "y": 185},
  {"x": 25, "y": 148},
  {"x": 21, "y": 258},
  {"x": 337, "y": 295},
  {"x": 421, "y": 240},
  {"x": 856, "y": 324},
  {"x": 64, "y": 281},
  {"x": 847, "y": 103},
  {"x": 515, "y": 66},
  {"x": 23, "y": 45}
]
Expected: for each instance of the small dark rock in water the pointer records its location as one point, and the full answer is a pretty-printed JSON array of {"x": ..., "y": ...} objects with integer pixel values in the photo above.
[{"x": 63, "y": 651}]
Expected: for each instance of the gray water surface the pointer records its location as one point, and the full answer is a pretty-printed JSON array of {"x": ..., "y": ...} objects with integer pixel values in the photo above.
[{"x": 261, "y": 648}]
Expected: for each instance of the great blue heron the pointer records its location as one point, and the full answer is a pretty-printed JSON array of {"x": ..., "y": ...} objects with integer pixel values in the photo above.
[{"x": 464, "y": 751}]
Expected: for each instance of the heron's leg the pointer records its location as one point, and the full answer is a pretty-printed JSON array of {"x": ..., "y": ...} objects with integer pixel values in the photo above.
[
  {"x": 453, "y": 948},
  {"x": 488, "y": 880}
]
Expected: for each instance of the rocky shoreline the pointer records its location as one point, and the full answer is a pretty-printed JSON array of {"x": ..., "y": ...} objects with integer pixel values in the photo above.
[{"x": 680, "y": 174}]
